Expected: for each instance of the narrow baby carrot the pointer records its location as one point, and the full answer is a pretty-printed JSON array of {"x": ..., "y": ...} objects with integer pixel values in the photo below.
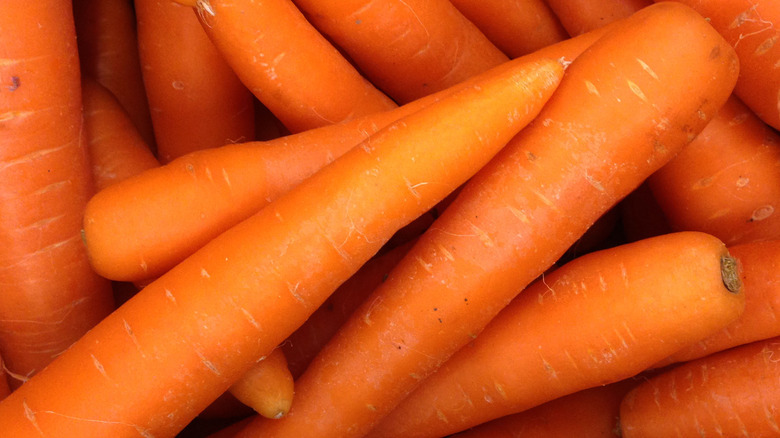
[
  {"x": 51, "y": 295},
  {"x": 409, "y": 48},
  {"x": 197, "y": 100},
  {"x": 580, "y": 16},
  {"x": 599, "y": 319},
  {"x": 517, "y": 27},
  {"x": 287, "y": 64},
  {"x": 760, "y": 267},
  {"x": 154, "y": 363},
  {"x": 267, "y": 387},
  {"x": 116, "y": 149},
  {"x": 727, "y": 181},
  {"x": 732, "y": 393},
  {"x": 753, "y": 29},
  {"x": 166, "y": 214},
  {"x": 108, "y": 52},
  {"x": 518, "y": 215}
]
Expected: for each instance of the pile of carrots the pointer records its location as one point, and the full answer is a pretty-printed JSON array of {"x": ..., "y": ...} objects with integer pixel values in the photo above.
[{"x": 389, "y": 218}]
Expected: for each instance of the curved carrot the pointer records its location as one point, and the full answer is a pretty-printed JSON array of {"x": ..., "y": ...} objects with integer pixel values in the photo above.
[
  {"x": 197, "y": 100},
  {"x": 760, "y": 266},
  {"x": 267, "y": 387},
  {"x": 753, "y": 29},
  {"x": 731, "y": 393},
  {"x": 108, "y": 52},
  {"x": 518, "y": 215},
  {"x": 168, "y": 213},
  {"x": 580, "y": 16},
  {"x": 516, "y": 27},
  {"x": 154, "y": 363},
  {"x": 727, "y": 181},
  {"x": 51, "y": 295},
  {"x": 599, "y": 319},
  {"x": 287, "y": 64},
  {"x": 116, "y": 149},
  {"x": 408, "y": 48}
]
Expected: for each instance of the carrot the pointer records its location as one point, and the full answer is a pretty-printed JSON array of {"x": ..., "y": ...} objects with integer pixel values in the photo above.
[
  {"x": 727, "y": 182},
  {"x": 409, "y": 48},
  {"x": 760, "y": 265},
  {"x": 154, "y": 363},
  {"x": 731, "y": 393},
  {"x": 753, "y": 29},
  {"x": 590, "y": 413},
  {"x": 516, "y": 27},
  {"x": 116, "y": 149},
  {"x": 287, "y": 64},
  {"x": 108, "y": 53},
  {"x": 599, "y": 319},
  {"x": 5, "y": 388},
  {"x": 267, "y": 387},
  {"x": 580, "y": 16},
  {"x": 518, "y": 215},
  {"x": 168, "y": 213},
  {"x": 51, "y": 295},
  {"x": 192, "y": 108}
]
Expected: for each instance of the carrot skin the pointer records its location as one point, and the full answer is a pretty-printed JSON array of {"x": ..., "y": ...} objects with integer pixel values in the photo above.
[
  {"x": 184, "y": 339},
  {"x": 267, "y": 387},
  {"x": 580, "y": 16},
  {"x": 517, "y": 216}
]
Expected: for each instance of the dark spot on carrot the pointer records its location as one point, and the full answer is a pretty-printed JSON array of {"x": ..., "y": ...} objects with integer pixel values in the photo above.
[
  {"x": 440, "y": 321},
  {"x": 435, "y": 309},
  {"x": 398, "y": 347},
  {"x": 729, "y": 272},
  {"x": 358, "y": 21},
  {"x": 715, "y": 52},
  {"x": 384, "y": 277},
  {"x": 15, "y": 83}
]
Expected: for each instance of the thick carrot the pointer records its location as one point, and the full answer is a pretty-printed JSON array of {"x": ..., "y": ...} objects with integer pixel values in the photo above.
[
  {"x": 517, "y": 27},
  {"x": 727, "y": 181},
  {"x": 287, "y": 64},
  {"x": 760, "y": 267},
  {"x": 590, "y": 413},
  {"x": 732, "y": 393},
  {"x": 267, "y": 387},
  {"x": 197, "y": 100},
  {"x": 599, "y": 319},
  {"x": 116, "y": 149},
  {"x": 409, "y": 48},
  {"x": 753, "y": 29},
  {"x": 168, "y": 213},
  {"x": 580, "y": 16},
  {"x": 108, "y": 52},
  {"x": 518, "y": 215},
  {"x": 154, "y": 363},
  {"x": 51, "y": 295}
]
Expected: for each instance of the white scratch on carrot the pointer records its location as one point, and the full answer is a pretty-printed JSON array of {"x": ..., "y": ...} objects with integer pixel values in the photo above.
[
  {"x": 636, "y": 90},
  {"x": 592, "y": 181},
  {"x": 210, "y": 365},
  {"x": 500, "y": 390},
  {"x": 99, "y": 366},
  {"x": 226, "y": 178},
  {"x": 129, "y": 331},
  {"x": 519, "y": 214},
  {"x": 647, "y": 68},
  {"x": 766, "y": 45},
  {"x": 440, "y": 415},
  {"x": 448, "y": 255},
  {"x": 293, "y": 288},
  {"x": 26, "y": 158},
  {"x": 30, "y": 415},
  {"x": 592, "y": 88},
  {"x": 427, "y": 266},
  {"x": 412, "y": 188},
  {"x": 169, "y": 295},
  {"x": 762, "y": 213}
]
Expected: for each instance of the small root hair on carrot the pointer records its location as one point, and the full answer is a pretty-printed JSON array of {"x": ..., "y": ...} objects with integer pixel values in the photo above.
[{"x": 729, "y": 271}]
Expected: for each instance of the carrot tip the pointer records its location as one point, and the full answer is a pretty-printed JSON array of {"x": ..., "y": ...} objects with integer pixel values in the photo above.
[{"x": 730, "y": 274}]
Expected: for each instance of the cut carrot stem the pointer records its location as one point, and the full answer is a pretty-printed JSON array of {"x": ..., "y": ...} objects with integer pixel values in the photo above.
[
  {"x": 287, "y": 64},
  {"x": 580, "y": 16},
  {"x": 409, "y": 48},
  {"x": 267, "y": 387},
  {"x": 51, "y": 295},
  {"x": 623, "y": 308},
  {"x": 518, "y": 215},
  {"x": 169, "y": 351},
  {"x": 727, "y": 181},
  {"x": 198, "y": 101},
  {"x": 731, "y": 393}
]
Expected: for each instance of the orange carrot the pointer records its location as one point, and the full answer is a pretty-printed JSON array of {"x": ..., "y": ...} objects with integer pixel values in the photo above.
[
  {"x": 599, "y": 319},
  {"x": 168, "y": 213},
  {"x": 580, "y": 16},
  {"x": 108, "y": 52},
  {"x": 409, "y": 48},
  {"x": 287, "y": 64},
  {"x": 753, "y": 29},
  {"x": 518, "y": 215},
  {"x": 760, "y": 266},
  {"x": 51, "y": 295},
  {"x": 197, "y": 100},
  {"x": 727, "y": 181},
  {"x": 267, "y": 387},
  {"x": 732, "y": 393},
  {"x": 5, "y": 388},
  {"x": 154, "y": 363},
  {"x": 116, "y": 149},
  {"x": 516, "y": 27}
]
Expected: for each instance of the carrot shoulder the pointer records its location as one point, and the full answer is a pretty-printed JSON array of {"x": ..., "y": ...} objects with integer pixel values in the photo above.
[
  {"x": 518, "y": 215},
  {"x": 179, "y": 343}
]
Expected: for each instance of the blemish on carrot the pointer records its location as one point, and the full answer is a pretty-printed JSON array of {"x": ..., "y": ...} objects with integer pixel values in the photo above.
[
  {"x": 762, "y": 213},
  {"x": 766, "y": 45},
  {"x": 647, "y": 68},
  {"x": 636, "y": 90},
  {"x": 592, "y": 88},
  {"x": 15, "y": 83}
]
